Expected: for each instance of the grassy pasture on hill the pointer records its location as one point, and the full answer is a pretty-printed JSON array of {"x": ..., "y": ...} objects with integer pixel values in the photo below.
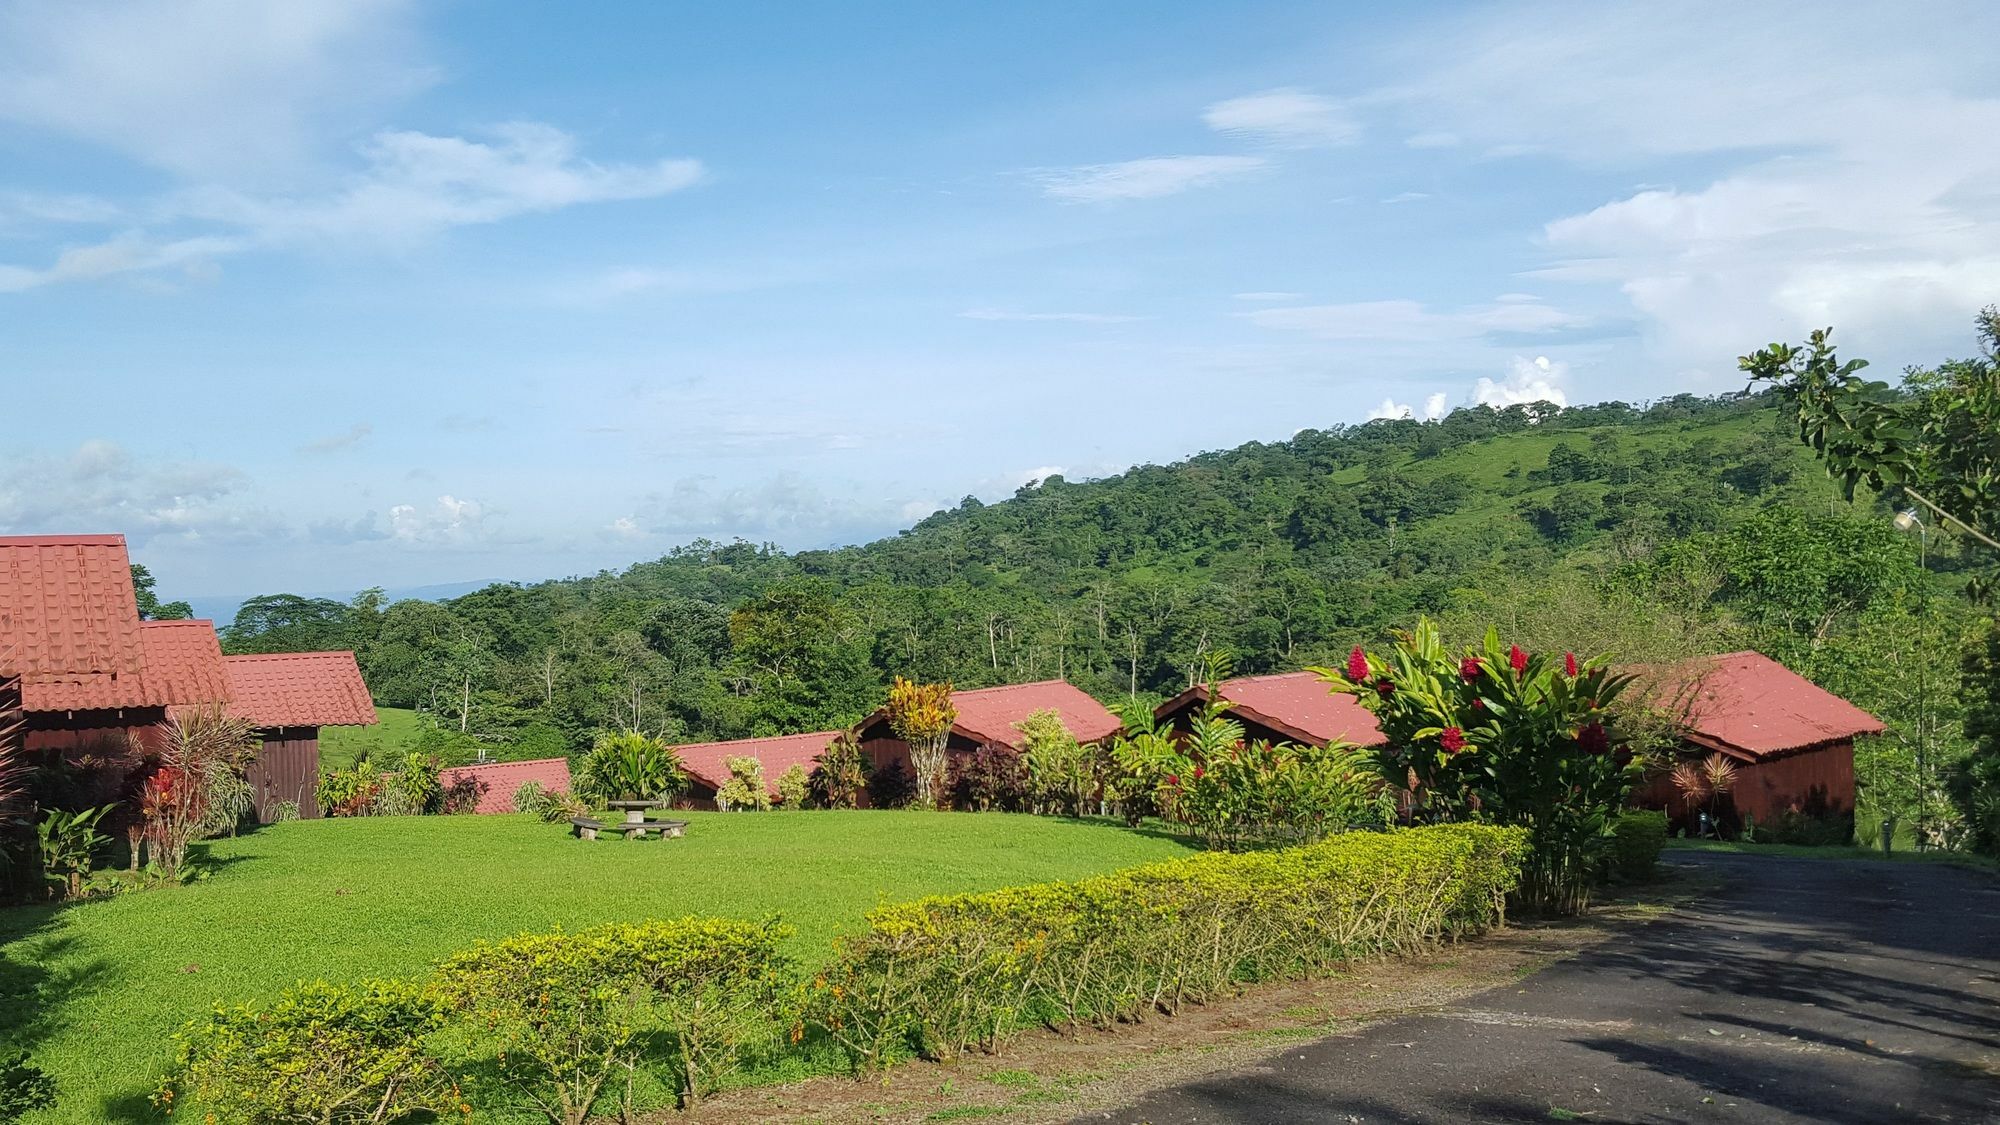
[
  {"x": 386, "y": 742},
  {"x": 96, "y": 990}
]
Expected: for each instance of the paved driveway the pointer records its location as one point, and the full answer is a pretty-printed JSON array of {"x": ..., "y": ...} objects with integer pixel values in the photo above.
[{"x": 1806, "y": 991}]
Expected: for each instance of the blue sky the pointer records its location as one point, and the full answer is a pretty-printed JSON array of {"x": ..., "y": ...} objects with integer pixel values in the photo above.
[{"x": 319, "y": 295}]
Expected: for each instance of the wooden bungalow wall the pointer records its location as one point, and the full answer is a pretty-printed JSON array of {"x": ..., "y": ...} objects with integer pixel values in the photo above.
[
  {"x": 1818, "y": 782},
  {"x": 287, "y": 769}
]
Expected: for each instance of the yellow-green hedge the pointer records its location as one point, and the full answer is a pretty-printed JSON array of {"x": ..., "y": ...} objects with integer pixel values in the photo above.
[{"x": 951, "y": 973}]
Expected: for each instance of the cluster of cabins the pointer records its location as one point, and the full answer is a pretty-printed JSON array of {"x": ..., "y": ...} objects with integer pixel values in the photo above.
[
  {"x": 84, "y": 673},
  {"x": 82, "y": 669}
]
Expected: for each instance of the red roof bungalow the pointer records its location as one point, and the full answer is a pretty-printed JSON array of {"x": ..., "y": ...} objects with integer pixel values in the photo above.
[
  {"x": 1792, "y": 741},
  {"x": 498, "y": 781},
  {"x": 1288, "y": 707},
  {"x": 90, "y": 672},
  {"x": 986, "y": 717},
  {"x": 288, "y": 696},
  {"x": 707, "y": 765}
]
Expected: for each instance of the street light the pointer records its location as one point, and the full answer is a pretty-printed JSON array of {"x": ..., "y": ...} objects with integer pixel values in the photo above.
[{"x": 1909, "y": 520}]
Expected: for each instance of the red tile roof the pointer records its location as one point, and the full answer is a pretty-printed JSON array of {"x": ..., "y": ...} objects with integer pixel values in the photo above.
[
  {"x": 69, "y": 623},
  {"x": 183, "y": 662},
  {"x": 500, "y": 779},
  {"x": 1755, "y": 707},
  {"x": 299, "y": 689},
  {"x": 706, "y": 762},
  {"x": 1298, "y": 705},
  {"x": 989, "y": 714}
]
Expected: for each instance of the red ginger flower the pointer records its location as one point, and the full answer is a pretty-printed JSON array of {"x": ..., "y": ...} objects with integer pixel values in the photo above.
[
  {"x": 1517, "y": 659},
  {"x": 1569, "y": 664},
  {"x": 1173, "y": 781},
  {"x": 1357, "y": 665},
  {"x": 1452, "y": 739},
  {"x": 1385, "y": 687},
  {"x": 1468, "y": 668},
  {"x": 1198, "y": 771},
  {"x": 1593, "y": 739}
]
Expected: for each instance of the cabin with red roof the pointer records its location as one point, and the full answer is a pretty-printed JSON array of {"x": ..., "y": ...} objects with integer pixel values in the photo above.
[
  {"x": 1791, "y": 741},
  {"x": 1288, "y": 707},
  {"x": 986, "y": 717},
  {"x": 90, "y": 672},
  {"x": 288, "y": 697},
  {"x": 707, "y": 768}
]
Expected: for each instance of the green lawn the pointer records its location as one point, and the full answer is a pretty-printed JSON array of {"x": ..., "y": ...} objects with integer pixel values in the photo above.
[
  {"x": 1900, "y": 853},
  {"x": 96, "y": 990},
  {"x": 386, "y": 742}
]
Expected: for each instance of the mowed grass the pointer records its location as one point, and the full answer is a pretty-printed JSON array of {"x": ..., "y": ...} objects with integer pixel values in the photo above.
[
  {"x": 387, "y": 741},
  {"x": 96, "y": 990}
]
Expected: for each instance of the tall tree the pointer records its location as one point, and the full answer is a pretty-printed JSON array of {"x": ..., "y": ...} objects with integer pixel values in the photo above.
[{"x": 151, "y": 608}]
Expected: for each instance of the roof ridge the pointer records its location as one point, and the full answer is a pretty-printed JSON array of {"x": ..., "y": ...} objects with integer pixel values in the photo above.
[{"x": 99, "y": 540}]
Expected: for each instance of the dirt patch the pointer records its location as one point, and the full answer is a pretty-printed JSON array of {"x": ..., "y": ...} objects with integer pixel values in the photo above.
[{"x": 1043, "y": 1076}]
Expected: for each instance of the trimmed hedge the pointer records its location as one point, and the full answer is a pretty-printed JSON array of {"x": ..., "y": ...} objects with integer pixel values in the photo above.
[
  {"x": 558, "y": 1019},
  {"x": 1638, "y": 836},
  {"x": 953, "y": 973}
]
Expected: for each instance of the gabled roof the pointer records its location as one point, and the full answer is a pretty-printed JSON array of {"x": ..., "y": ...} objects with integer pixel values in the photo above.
[
  {"x": 989, "y": 714},
  {"x": 1298, "y": 705},
  {"x": 498, "y": 780},
  {"x": 69, "y": 622},
  {"x": 707, "y": 762},
  {"x": 299, "y": 689},
  {"x": 183, "y": 663},
  {"x": 1749, "y": 705}
]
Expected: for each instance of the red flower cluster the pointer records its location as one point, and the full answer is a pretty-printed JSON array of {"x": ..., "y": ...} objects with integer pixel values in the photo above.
[
  {"x": 1593, "y": 739},
  {"x": 1173, "y": 781},
  {"x": 1357, "y": 665},
  {"x": 1197, "y": 773},
  {"x": 1569, "y": 664},
  {"x": 1452, "y": 739},
  {"x": 1517, "y": 659},
  {"x": 1385, "y": 687},
  {"x": 1468, "y": 668}
]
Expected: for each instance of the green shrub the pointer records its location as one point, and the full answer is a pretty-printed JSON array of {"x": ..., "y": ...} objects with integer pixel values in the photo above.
[
  {"x": 564, "y": 1013},
  {"x": 839, "y": 773},
  {"x": 744, "y": 790},
  {"x": 321, "y": 1053},
  {"x": 24, "y": 1087},
  {"x": 952, "y": 973},
  {"x": 532, "y": 797},
  {"x": 1638, "y": 836},
  {"x": 418, "y": 784},
  {"x": 352, "y": 791},
  {"x": 793, "y": 788},
  {"x": 284, "y": 811},
  {"x": 630, "y": 766},
  {"x": 1062, "y": 773}
]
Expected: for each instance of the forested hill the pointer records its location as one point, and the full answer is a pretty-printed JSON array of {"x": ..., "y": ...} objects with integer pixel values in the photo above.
[{"x": 1278, "y": 553}]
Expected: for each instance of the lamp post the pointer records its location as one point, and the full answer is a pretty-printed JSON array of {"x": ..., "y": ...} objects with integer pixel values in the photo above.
[{"x": 1909, "y": 520}]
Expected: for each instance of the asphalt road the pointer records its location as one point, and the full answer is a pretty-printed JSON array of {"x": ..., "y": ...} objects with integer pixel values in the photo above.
[{"x": 1805, "y": 991}]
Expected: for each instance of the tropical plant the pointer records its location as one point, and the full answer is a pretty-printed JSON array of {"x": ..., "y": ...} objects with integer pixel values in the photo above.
[
  {"x": 891, "y": 786},
  {"x": 1061, "y": 772},
  {"x": 352, "y": 791},
  {"x": 744, "y": 789},
  {"x": 627, "y": 765},
  {"x": 1497, "y": 734},
  {"x": 840, "y": 772},
  {"x": 284, "y": 811},
  {"x": 68, "y": 844},
  {"x": 992, "y": 777},
  {"x": 1703, "y": 784},
  {"x": 1135, "y": 766},
  {"x": 418, "y": 782},
  {"x": 922, "y": 716},
  {"x": 201, "y": 748},
  {"x": 462, "y": 794},
  {"x": 793, "y": 788}
]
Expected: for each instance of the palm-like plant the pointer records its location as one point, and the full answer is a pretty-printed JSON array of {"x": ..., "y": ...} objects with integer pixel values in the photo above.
[
  {"x": 1702, "y": 784},
  {"x": 840, "y": 772},
  {"x": 203, "y": 757},
  {"x": 922, "y": 716}
]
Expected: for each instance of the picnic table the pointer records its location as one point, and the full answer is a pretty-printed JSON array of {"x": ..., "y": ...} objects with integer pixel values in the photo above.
[{"x": 635, "y": 826}]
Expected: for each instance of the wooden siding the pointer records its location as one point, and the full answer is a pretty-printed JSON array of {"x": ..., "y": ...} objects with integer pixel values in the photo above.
[
  {"x": 1817, "y": 782},
  {"x": 286, "y": 769},
  {"x": 70, "y": 731}
]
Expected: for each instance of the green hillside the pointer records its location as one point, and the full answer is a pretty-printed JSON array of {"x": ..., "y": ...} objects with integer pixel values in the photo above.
[{"x": 1279, "y": 553}]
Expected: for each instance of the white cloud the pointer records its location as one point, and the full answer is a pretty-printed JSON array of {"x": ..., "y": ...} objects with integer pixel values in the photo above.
[
  {"x": 1079, "y": 317},
  {"x": 1407, "y": 197},
  {"x": 414, "y": 186},
  {"x": 916, "y": 510},
  {"x": 100, "y": 487},
  {"x": 1287, "y": 118},
  {"x": 1149, "y": 178},
  {"x": 206, "y": 88},
  {"x": 1855, "y": 191},
  {"x": 1434, "y": 408},
  {"x": 448, "y": 522},
  {"x": 1413, "y": 321},
  {"x": 1021, "y": 478},
  {"x": 1528, "y": 380}
]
